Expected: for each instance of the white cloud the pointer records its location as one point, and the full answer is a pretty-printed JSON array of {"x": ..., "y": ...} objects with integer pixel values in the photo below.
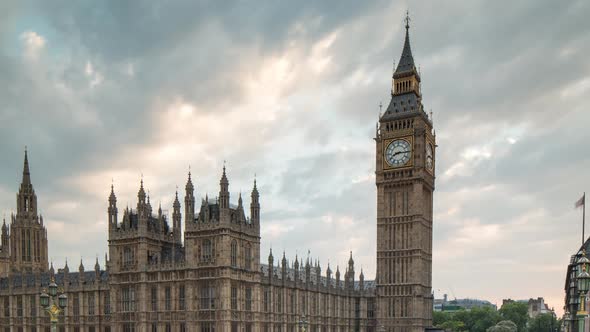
[{"x": 33, "y": 44}]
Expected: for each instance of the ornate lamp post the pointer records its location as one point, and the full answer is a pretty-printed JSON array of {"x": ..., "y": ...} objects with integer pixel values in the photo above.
[
  {"x": 53, "y": 304},
  {"x": 583, "y": 280},
  {"x": 566, "y": 321},
  {"x": 303, "y": 324}
]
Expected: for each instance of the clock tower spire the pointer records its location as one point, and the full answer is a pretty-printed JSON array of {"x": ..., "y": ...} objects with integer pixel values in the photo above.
[{"x": 404, "y": 172}]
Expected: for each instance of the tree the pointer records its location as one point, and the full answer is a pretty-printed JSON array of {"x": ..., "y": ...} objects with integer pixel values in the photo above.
[
  {"x": 440, "y": 317},
  {"x": 517, "y": 312},
  {"x": 453, "y": 326},
  {"x": 543, "y": 323},
  {"x": 504, "y": 326}
]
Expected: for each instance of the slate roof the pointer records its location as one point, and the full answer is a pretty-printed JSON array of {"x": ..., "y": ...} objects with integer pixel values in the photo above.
[
  {"x": 401, "y": 106},
  {"x": 406, "y": 61}
]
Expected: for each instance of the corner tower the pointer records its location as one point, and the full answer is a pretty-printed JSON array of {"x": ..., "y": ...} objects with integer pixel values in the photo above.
[
  {"x": 405, "y": 159},
  {"x": 28, "y": 236}
]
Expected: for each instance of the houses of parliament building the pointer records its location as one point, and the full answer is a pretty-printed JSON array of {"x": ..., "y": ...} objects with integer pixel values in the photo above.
[{"x": 210, "y": 277}]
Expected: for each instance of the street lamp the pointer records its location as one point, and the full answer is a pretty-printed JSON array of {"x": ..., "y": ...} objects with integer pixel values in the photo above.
[
  {"x": 53, "y": 304},
  {"x": 303, "y": 324}
]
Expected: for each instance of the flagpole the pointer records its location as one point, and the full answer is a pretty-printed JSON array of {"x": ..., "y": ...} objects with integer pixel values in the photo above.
[{"x": 583, "y": 218}]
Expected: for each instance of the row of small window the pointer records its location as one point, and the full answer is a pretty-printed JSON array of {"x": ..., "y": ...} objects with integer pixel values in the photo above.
[
  {"x": 89, "y": 305},
  {"x": 234, "y": 255},
  {"x": 168, "y": 327},
  {"x": 30, "y": 241},
  {"x": 207, "y": 298},
  {"x": 399, "y": 307},
  {"x": 60, "y": 329},
  {"x": 403, "y": 86},
  {"x": 205, "y": 327},
  {"x": 398, "y": 125},
  {"x": 168, "y": 298}
]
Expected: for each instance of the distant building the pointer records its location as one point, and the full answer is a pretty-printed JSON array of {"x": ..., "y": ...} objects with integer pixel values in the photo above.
[
  {"x": 535, "y": 306},
  {"x": 458, "y": 304}
]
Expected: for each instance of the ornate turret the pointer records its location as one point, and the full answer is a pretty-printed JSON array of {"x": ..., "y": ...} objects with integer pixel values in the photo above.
[
  {"x": 241, "y": 215},
  {"x": 97, "y": 270},
  {"x": 270, "y": 265},
  {"x": 112, "y": 210},
  {"x": 4, "y": 241},
  {"x": 26, "y": 198},
  {"x": 255, "y": 205},
  {"x": 148, "y": 206},
  {"x": 189, "y": 201},
  {"x": 284, "y": 267},
  {"x": 141, "y": 201},
  {"x": 270, "y": 258},
  {"x": 296, "y": 269},
  {"x": 329, "y": 276},
  {"x": 176, "y": 216},
  {"x": 362, "y": 280},
  {"x": 223, "y": 191},
  {"x": 51, "y": 271},
  {"x": 66, "y": 268},
  {"x": 318, "y": 273},
  {"x": 307, "y": 272},
  {"x": 350, "y": 272},
  {"x": 337, "y": 276}
]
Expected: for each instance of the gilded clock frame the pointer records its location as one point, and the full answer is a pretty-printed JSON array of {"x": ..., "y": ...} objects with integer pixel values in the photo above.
[
  {"x": 386, "y": 142},
  {"x": 429, "y": 141}
]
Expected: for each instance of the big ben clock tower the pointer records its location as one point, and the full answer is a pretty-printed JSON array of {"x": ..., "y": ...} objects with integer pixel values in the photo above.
[{"x": 405, "y": 173}]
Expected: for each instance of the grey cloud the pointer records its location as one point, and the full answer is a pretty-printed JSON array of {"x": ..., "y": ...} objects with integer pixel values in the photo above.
[{"x": 486, "y": 67}]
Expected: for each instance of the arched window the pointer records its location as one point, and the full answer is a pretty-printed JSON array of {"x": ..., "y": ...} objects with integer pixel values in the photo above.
[
  {"x": 248, "y": 257},
  {"x": 234, "y": 253},
  {"x": 207, "y": 252},
  {"x": 128, "y": 256}
]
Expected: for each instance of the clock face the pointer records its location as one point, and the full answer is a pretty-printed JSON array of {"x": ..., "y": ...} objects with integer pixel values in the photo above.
[
  {"x": 429, "y": 157},
  {"x": 398, "y": 153}
]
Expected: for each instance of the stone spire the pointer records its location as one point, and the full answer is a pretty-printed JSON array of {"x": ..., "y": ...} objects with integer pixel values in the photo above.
[
  {"x": 4, "y": 239},
  {"x": 362, "y": 280},
  {"x": 223, "y": 190},
  {"x": 26, "y": 199},
  {"x": 255, "y": 205},
  {"x": 270, "y": 259},
  {"x": 406, "y": 61},
  {"x": 97, "y": 270},
  {"x": 176, "y": 216},
  {"x": 26, "y": 174},
  {"x": 189, "y": 200},
  {"x": 81, "y": 275},
  {"x": 112, "y": 209}
]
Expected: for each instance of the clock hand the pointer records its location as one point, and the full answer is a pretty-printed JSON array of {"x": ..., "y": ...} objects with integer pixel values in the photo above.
[{"x": 399, "y": 152}]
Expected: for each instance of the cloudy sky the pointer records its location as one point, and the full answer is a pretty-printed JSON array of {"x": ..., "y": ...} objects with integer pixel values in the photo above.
[{"x": 289, "y": 91}]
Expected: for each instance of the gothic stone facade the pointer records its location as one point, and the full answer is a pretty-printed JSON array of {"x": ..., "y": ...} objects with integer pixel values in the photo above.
[
  {"x": 152, "y": 281},
  {"x": 214, "y": 279}
]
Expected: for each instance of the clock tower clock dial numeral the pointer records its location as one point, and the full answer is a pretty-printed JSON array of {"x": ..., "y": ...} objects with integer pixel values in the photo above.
[{"x": 398, "y": 153}]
